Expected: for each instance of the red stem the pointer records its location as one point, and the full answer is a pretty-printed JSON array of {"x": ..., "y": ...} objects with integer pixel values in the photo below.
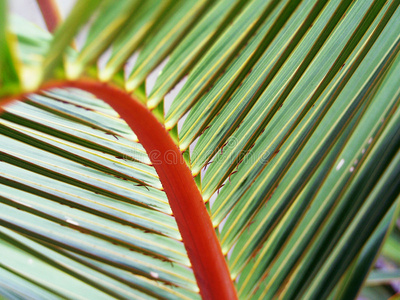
[
  {"x": 194, "y": 223},
  {"x": 50, "y": 12}
]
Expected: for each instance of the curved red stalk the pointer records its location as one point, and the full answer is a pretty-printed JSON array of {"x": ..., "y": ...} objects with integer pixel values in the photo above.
[
  {"x": 198, "y": 234},
  {"x": 50, "y": 12}
]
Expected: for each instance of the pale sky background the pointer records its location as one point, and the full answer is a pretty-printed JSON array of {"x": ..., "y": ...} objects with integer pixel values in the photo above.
[{"x": 30, "y": 11}]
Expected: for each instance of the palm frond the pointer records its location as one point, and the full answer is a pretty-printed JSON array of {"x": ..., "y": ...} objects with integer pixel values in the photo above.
[
  {"x": 290, "y": 107},
  {"x": 94, "y": 196}
]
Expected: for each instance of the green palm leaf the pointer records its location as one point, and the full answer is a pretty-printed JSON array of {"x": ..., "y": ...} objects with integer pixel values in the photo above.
[{"x": 288, "y": 120}]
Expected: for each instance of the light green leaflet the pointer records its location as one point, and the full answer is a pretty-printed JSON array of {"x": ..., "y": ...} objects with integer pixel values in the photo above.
[
  {"x": 230, "y": 116},
  {"x": 291, "y": 183},
  {"x": 91, "y": 166},
  {"x": 95, "y": 247},
  {"x": 179, "y": 23},
  {"x": 140, "y": 27},
  {"x": 344, "y": 168},
  {"x": 209, "y": 105},
  {"x": 101, "y": 205},
  {"x": 111, "y": 18},
  {"x": 277, "y": 237},
  {"x": 361, "y": 187},
  {"x": 218, "y": 58},
  {"x": 194, "y": 46},
  {"x": 272, "y": 100},
  {"x": 266, "y": 146},
  {"x": 249, "y": 207},
  {"x": 158, "y": 245},
  {"x": 52, "y": 64},
  {"x": 93, "y": 187},
  {"x": 27, "y": 257},
  {"x": 21, "y": 269},
  {"x": 96, "y": 117},
  {"x": 119, "y": 168}
]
